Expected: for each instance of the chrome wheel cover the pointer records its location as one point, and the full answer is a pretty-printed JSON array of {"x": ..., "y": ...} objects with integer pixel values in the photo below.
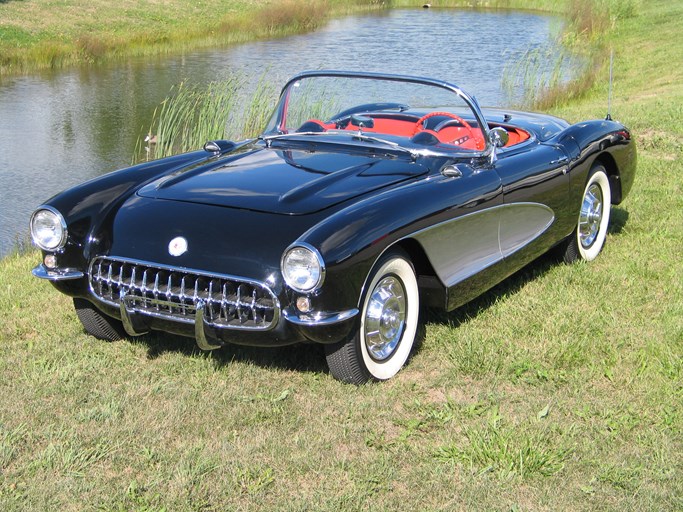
[
  {"x": 591, "y": 215},
  {"x": 385, "y": 318}
]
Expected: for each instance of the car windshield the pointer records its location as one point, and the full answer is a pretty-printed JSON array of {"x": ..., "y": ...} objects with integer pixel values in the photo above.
[{"x": 405, "y": 112}]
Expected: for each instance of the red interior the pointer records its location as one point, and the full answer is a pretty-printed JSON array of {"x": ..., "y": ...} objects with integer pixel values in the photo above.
[{"x": 461, "y": 136}]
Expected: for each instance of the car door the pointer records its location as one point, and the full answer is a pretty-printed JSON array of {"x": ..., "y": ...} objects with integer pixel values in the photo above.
[
  {"x": 462, "y": 241},
  {"x": 535, "y": 183}
]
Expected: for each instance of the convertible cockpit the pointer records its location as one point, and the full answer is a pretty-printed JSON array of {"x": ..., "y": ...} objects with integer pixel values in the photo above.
[{"x": 435, "y": 127}]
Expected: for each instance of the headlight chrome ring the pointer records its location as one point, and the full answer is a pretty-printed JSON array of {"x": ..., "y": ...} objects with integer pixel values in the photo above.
[
  {"x": 48, "y": 229},
  {"x": 303, "y": 268}
]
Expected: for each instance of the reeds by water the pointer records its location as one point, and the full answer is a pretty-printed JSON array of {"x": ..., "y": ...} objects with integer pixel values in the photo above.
[
  {"x": 193, "y": 114},
  {"x": 528, "y": 79},
  {"x": 538, "y": 78}
]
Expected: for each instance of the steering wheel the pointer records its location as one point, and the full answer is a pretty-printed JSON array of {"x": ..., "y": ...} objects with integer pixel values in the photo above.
[{"x": 420, "y": 122}]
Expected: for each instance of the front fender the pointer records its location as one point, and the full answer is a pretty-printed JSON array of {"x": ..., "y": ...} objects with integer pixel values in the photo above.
[
  {"x": 85, "y": 206},
  {"x": 351, "y": 240}
]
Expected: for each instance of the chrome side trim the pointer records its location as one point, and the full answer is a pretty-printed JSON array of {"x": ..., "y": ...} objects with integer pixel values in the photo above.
[
  {"x": 521, "y": 223},
  {"x": 57, "y": 274},
  {"x": 319, "y": 319},
  {"x": 462, "y": 247}
]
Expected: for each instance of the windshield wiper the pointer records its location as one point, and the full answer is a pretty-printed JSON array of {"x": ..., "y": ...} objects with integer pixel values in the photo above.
[
  {"x": 395, "y": 145},
  {"x": 354, "y": 135},
  {"x": 269, "y": 138}
]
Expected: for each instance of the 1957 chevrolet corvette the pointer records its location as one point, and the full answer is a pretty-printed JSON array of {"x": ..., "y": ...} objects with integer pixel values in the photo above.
[{"x": 366, "y": 197}]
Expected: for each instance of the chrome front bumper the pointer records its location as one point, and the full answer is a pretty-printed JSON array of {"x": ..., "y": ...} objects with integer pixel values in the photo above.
[
  {"x": 215, "y": 309},
  {"x": 204, "y": 331},
  {"x": 56, "y": 274}
]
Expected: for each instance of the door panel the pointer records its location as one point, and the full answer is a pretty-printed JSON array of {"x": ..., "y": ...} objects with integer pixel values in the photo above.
[{"x": 537, "y": 176}]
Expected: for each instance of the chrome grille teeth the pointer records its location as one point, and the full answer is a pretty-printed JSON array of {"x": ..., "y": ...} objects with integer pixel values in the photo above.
[
  {"x": 183, "y": 297},
  {"x": 109, "y": 274},
  {"x": 174, "y": 294},
  {"x": 209, "y": 300},
  {"x": 99, "y": 280},
  {"x": 169, "y": 286},
  {"x": 224, "y": 300},
  {"x": 155, "y": 290}
]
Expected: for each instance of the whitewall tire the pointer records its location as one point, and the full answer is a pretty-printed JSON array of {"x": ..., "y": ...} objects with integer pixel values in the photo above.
[
  {"x": 389, "y": 313},
  {"x": 588, "y": 238}
]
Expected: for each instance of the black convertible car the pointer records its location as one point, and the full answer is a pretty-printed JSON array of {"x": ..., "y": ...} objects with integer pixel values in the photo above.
[{"x": 366, "y": 197}]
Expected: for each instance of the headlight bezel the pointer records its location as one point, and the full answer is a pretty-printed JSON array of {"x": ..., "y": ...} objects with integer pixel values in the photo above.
[
  {"x": 58, "y": 220},
  {"x": 317, "y": 277}
]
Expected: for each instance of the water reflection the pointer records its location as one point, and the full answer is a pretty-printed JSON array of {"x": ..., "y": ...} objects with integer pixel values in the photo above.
[{"x": 59, "y": 129}]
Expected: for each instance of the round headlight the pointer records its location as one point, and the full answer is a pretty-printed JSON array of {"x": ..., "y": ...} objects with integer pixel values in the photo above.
[
  {"x": 303, "y": 268},
  {"x": 48, "y": 229}
]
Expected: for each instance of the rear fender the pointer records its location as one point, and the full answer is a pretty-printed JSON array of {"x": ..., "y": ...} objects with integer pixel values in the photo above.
[{"x": 608, "y": 142}]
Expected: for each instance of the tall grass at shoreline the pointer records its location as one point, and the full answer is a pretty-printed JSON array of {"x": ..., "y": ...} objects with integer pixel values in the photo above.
[
  {"x": 529, "y": 79},
  {"x": 42, "y": 34},
  {"x": 193, "y": 114},
  {"x": 47, "y": 35}
]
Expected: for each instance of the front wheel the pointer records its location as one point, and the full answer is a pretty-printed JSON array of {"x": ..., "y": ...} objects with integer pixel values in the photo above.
[
  {"x": 588, "y": 239},
  {"x": 389, "y": 319}
]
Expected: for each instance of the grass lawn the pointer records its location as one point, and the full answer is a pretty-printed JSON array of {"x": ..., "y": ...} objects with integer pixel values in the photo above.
[{"x": 561, "y": 389}]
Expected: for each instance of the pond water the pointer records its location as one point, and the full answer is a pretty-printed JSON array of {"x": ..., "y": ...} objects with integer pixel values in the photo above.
[{"x": 58, "y": 129}]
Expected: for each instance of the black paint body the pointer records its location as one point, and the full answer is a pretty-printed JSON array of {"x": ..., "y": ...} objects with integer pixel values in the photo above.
[{"x": 241, "y": 207}]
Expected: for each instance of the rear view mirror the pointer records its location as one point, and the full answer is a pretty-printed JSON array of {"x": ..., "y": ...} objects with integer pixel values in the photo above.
[
  {"x": 362, "y": 121},
  {"x": 498, "y": 137}
]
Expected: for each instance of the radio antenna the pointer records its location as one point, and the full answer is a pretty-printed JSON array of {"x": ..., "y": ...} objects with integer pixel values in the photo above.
[{"x": 609, "y": 90}]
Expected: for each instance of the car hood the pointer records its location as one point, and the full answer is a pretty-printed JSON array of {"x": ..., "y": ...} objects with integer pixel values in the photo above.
[
  {"x": 219, "y": 240},
  {"x": 283, "y": 181}
]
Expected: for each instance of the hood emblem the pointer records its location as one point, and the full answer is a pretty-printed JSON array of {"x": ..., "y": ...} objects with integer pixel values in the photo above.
[{"x": 177, "y": 246}]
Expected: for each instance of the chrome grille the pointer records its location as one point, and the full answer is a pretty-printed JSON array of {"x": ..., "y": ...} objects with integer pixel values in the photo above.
[{"x": 173, "y": 293}]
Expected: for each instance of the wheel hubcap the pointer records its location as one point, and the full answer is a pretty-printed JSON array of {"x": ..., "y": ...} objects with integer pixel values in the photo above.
[
  {"x": 591, "y": 215},
  {"x": 385, "y": 318}
]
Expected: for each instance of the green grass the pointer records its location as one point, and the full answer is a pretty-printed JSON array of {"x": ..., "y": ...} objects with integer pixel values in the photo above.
[{"x": 560, "y": 389}]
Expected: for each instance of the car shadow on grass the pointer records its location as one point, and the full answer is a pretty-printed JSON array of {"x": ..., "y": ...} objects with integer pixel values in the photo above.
[
  {"x": 509, "y": 286},
  {"x": 299, "y": 357},
  {"x": 618, "y": 220}
]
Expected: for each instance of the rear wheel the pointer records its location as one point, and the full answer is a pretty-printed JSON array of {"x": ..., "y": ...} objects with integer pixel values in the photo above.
[
  {"x": 588, "y": 239},
  {"x": 97, "y": 324},
  {"x": 389, "y": 319}
]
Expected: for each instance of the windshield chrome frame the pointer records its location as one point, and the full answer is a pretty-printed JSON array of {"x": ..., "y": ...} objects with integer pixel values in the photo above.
[{"x": 471, "y": 102}]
